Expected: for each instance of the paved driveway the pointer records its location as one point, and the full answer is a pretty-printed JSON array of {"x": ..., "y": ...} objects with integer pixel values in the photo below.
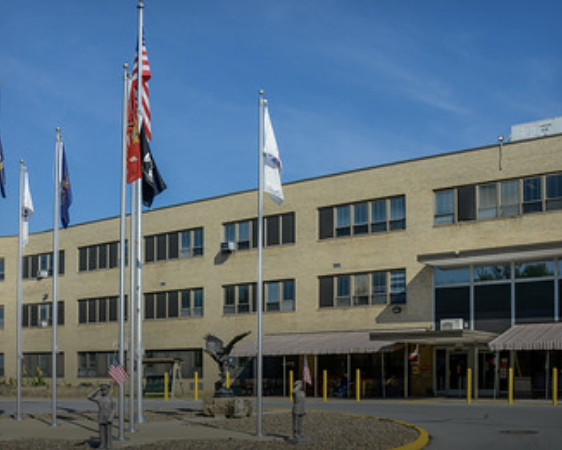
[{"x": 450, "y": 424}]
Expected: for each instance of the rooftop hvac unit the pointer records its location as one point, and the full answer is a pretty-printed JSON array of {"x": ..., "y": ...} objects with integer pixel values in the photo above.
[
  {"x": 452, "y": 324},
  {"x": 228, "y": 247},
  {"x": 539, "y": 128}
]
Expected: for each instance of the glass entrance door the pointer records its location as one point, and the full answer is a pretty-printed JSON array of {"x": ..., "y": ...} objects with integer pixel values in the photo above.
[{"x": 458, "y": 363}]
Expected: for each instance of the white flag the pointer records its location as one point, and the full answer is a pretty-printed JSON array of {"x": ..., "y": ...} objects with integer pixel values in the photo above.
[
  {"x": 272, "y": 163},
  {"x": 26, "y": 208}
]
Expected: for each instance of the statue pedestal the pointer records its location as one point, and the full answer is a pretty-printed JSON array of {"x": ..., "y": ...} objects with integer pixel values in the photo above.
[{"x": 233, "y": 408}]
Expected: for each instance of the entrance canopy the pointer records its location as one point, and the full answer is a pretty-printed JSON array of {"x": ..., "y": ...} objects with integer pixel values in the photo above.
[
  {"x": 330, "y": 343},
  {"x": 536, "y": 336},
  {"x": 424, "y": 336}
]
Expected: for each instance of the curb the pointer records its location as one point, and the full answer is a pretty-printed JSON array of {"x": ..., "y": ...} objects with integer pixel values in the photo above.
[{"x": 421, "y": 442}]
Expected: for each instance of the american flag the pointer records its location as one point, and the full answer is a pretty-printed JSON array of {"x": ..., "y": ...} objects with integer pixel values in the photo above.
[
  {"x": 146, "y": 75},
  {"x": 306, "y": 372},
  {"x": 118, "y": 372}
]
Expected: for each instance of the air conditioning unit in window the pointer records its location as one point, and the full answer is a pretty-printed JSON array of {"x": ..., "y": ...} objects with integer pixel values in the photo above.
[
  {"x": 44, "y": 324},
  {"x": 228, "y": 247},
  {"x": 42, "y": 274},
  {"x": 452, "y": 324}
]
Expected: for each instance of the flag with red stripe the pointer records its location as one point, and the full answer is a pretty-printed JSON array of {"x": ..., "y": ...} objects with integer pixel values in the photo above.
[
  {"x": 134, "y": 163},
  {"x": 118, "y": 372}
]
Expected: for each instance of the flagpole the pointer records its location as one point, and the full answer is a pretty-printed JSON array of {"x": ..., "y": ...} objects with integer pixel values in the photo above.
[
  {"x": 19, "y": 309},
  {"x": 55, "y": 268},
  {"x": 121, "y": 405},
  {"x": 140, "y": 88},
  {"x": 260, "y": 274},
  {"x": 132, "y": 308}
]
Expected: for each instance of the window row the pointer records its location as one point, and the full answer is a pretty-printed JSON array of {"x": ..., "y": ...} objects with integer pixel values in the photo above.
[
  {"x": 100, "y": 256},
  {"x": 1, "y": 269},
  {"x": 372, "y": 216},
  {"x": 497, "y": 272},
  {"x": 277, "y": 230},
  {"x": 173, "y": 245},
  {"x": 41, "y": 265},
  {"x": 499, "y": 199},
  {"x": 242, "y": 298},
  {"x": 173, "y": 304},
  {"x": 96, "y": 364},
  {"x": 99, "y": 310},
  {"x": 373, "y": 288},
  {"x": 41, "y": 314}
]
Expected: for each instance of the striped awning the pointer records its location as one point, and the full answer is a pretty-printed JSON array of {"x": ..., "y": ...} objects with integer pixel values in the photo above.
[
  {"x": 329, "y": 343},
  {"x": 536, "y": 336}
]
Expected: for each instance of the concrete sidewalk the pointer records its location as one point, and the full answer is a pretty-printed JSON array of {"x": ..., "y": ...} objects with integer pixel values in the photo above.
[{"x": 83, "y": 430}]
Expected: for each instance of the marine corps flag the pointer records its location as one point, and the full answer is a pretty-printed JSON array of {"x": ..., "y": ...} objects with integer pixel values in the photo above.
[{"x": 152, "y": 183}]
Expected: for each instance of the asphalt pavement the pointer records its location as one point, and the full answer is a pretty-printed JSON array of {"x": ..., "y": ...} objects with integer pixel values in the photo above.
[{"x": 451, "y": 424}]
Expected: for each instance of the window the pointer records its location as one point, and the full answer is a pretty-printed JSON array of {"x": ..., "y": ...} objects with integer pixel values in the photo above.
[
  {"x": 99, "y": 256},
  {"x": 362, "y": 218},
  {"x": 532, "y": 195},
  {"x": 499, "y": 199},
  {"x": 278, "y": 230},
  {"x": 397, "y": 213},
  {"x": 41, "y": 265},
  {"x": 444, "y": 207},
  {"x": 94, "y": 364},
  {"x": 363, "y": 289},
  {"x": 509, "y": 199},
  {"x": 242, "y": 298},
  {"x": 173, "y": 245},
  {"x": 343, "y": 291},
  {"x": 554, "y": 192},
  {"x": 343, "y": 227},
  {"x": 192, "y": 361},
  {"x": 173, "y": 304},
  {"x": 398, "y": 287},
  {"x": 41, "y": 314},
  {"x": 1, "y": 364},
  {"x": 1, "y": 269},
  {"x": 488, "y": 204},
  {"x": 40, "y": 365},
  {"x": 1, "y": 317},
  {"x": 99, "y": 310},
  {"x": 280, "y": 295}
]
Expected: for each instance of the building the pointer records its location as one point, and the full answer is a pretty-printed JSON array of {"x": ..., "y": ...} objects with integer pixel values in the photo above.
[{"x": 405, "y": 271}]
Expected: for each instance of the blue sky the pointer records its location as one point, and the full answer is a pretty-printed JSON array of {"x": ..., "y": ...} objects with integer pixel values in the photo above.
[{"x": 350, "y": 84}]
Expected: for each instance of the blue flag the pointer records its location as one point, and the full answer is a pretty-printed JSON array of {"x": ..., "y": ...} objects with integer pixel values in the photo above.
[{"x": 65, "y": 192}]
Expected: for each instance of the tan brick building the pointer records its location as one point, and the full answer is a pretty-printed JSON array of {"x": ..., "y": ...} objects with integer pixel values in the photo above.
[{"x": 473, "y": 235}]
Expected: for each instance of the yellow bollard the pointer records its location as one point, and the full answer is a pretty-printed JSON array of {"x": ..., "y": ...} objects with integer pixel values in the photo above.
[
  {"x": 510, "y": 387},
  {"x": 166, "y": 377},
  {"x": 358, "y": 385},
  {"x": 228, "y": 380},
  {"x": 291, "y": 382},
  {"x": 196, "y": 386},
  {"x": 325, "y": 386},
  {"x": 469, "y": 386},
  {"x": 554, "y": 386}
]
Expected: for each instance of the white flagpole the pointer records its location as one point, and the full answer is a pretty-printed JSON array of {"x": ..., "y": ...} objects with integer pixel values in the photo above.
[
  {"x": 132, "y": 308},
  {"x": 259, "y": 302},
  {"x": 55, "y": 268},
  {"x": 138, "y": 265},
  {"x": 19, "y": 315},
  {"x": 121, "y": 405}
]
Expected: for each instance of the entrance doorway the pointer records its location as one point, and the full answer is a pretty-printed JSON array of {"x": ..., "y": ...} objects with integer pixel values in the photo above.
[{"x": 450, "y": 372}]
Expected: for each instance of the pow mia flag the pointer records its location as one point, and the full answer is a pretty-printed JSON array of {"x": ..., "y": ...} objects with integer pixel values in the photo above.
[{"x": 152, "y": 183}]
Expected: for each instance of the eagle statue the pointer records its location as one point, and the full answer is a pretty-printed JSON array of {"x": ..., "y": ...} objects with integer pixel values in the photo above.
[{"x": 215, "y": 348}]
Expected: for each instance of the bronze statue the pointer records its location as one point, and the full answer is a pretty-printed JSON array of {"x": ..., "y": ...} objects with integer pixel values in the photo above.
[
  {"x": 298, "y": 410},
  {"x": 221, "y": 354},
  {"x": 106, "y": 405}
]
